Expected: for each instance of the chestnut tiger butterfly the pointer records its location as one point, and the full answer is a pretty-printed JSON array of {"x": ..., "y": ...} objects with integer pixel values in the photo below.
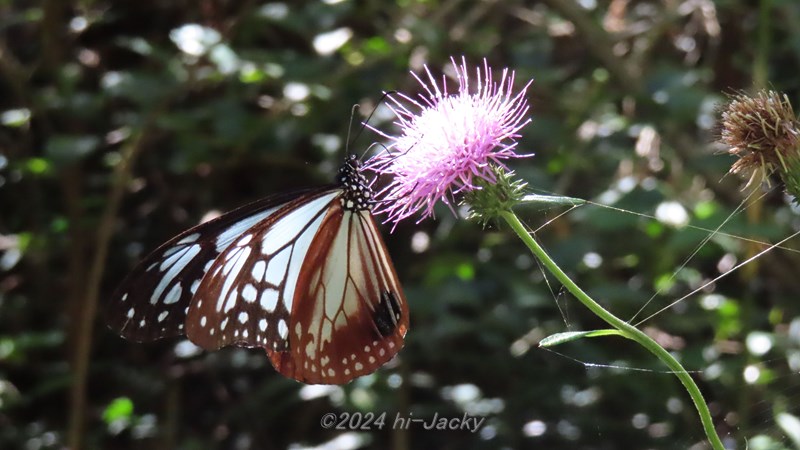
[{"x": 305, "y": 275}]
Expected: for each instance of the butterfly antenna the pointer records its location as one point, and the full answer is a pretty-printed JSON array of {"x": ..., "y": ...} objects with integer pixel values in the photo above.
[
  {"x": 366, "y": 122},
  {"x": 350, "y": 129}
]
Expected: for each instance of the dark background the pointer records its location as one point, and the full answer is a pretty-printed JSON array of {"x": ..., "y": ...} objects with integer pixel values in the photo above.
[{"x": 125, "y": 122}]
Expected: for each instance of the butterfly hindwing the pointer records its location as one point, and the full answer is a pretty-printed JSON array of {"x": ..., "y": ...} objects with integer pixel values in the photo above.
[
  {"x": 349, "y": 315},
  {"x": 153, "y": 300}
]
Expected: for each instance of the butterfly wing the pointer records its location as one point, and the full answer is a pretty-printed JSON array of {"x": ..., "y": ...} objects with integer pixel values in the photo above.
[
  {"x": 305, "y": 275},
  {"x": 153, "y": 300},
  {"x": 247, "y": 295},
  {"x": 349, "y": 315},
  {"x": 314, "y": 286}
]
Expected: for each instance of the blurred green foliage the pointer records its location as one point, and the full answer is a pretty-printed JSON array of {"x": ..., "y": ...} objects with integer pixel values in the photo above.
[{"x": 223, "y": 102}]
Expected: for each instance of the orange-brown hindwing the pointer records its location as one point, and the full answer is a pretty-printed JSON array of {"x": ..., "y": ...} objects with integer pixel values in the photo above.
[{"x": 349, "y": 314}]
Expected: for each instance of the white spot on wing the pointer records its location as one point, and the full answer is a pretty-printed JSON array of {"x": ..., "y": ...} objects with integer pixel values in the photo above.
[
  {"x": 326, "y": 333},
  {"x": 243, "y": 316},
  {"x": 340, "y": 322},
  {"x": 269, "y": 299},
  {"x": 283, "y": 330},
  {"x": 262, "y": 324},
  {"x": 277, "y": 267},
  {"x": 249, "y": 293},
  {"x": 258, "y": 270},
  {"x": 173, "y": 295},
  {"x": 245, "y": 240}
]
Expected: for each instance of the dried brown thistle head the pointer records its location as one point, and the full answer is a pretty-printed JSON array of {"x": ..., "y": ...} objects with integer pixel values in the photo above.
[{"x": 763, "y": 132}]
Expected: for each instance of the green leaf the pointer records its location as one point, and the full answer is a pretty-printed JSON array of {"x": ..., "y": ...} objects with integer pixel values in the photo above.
[
  {"x": 38, "y": 166},
  {"x": 465, "y": 271},
  {"x": 377, "y": 46},
  {"x": 560, "y": 338},
  {"x": 250, "y": 73},
  {"x": 550, "y": 200},
  {"x": 705, "y": 209},
  {"x": 119, "y": 409}
]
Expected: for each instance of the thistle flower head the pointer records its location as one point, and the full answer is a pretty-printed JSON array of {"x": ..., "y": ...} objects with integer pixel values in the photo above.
[
  {"x": 762, "y": 131},
  {"x": 448, "y": 141}
]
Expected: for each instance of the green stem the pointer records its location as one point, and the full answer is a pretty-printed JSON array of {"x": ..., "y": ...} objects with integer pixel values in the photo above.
[{"x": 625, "y": 328}]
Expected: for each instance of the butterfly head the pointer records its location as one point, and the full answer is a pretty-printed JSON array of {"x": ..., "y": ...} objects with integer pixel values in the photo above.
[{"x": 357, "y": 191}]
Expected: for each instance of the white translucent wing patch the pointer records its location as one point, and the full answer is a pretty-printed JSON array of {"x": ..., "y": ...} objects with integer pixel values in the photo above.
[
  {"x": 247, "y": 295},
  {"x": 153, "y": 300}
]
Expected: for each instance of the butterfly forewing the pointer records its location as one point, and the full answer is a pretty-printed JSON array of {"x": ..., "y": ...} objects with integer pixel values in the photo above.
[
  {"x": 153, "y": 300},
  {"x": 349, "y": 315},
  {"x": 246, "y": 296}
]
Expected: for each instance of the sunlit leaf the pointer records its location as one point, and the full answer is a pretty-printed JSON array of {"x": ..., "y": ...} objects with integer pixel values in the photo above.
[
  {"x": 119, "y": 408},
  {"x": 15, "y": 117},
  {"x": 569, "y": 336},
  {"x": 250, "y": 73},
  {"x": 465, "y": 271},
  {"x": 327, "y": 43},
  {"x": 550, "y": 200},
  {"x": 654, "y": 229},
  {"x": 705, "y": 209},
  {"x": 194, "y": 39},
  {"x": 376, "y": 46},
  {"x": 37, "y": 166}
]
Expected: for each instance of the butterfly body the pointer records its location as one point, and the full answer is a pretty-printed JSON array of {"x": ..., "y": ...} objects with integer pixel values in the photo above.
[{"x": 304, "y": 275}]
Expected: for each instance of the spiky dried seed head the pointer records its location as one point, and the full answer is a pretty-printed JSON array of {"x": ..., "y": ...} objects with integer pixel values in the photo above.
[{"x": 761, "y": 130}]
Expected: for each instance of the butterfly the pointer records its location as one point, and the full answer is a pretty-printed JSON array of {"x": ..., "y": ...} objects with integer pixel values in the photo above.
[{"x": 304, "y": 274}]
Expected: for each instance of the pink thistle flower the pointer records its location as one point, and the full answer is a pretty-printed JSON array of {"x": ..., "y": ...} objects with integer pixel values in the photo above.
[{"x": 449, "y": 142}]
